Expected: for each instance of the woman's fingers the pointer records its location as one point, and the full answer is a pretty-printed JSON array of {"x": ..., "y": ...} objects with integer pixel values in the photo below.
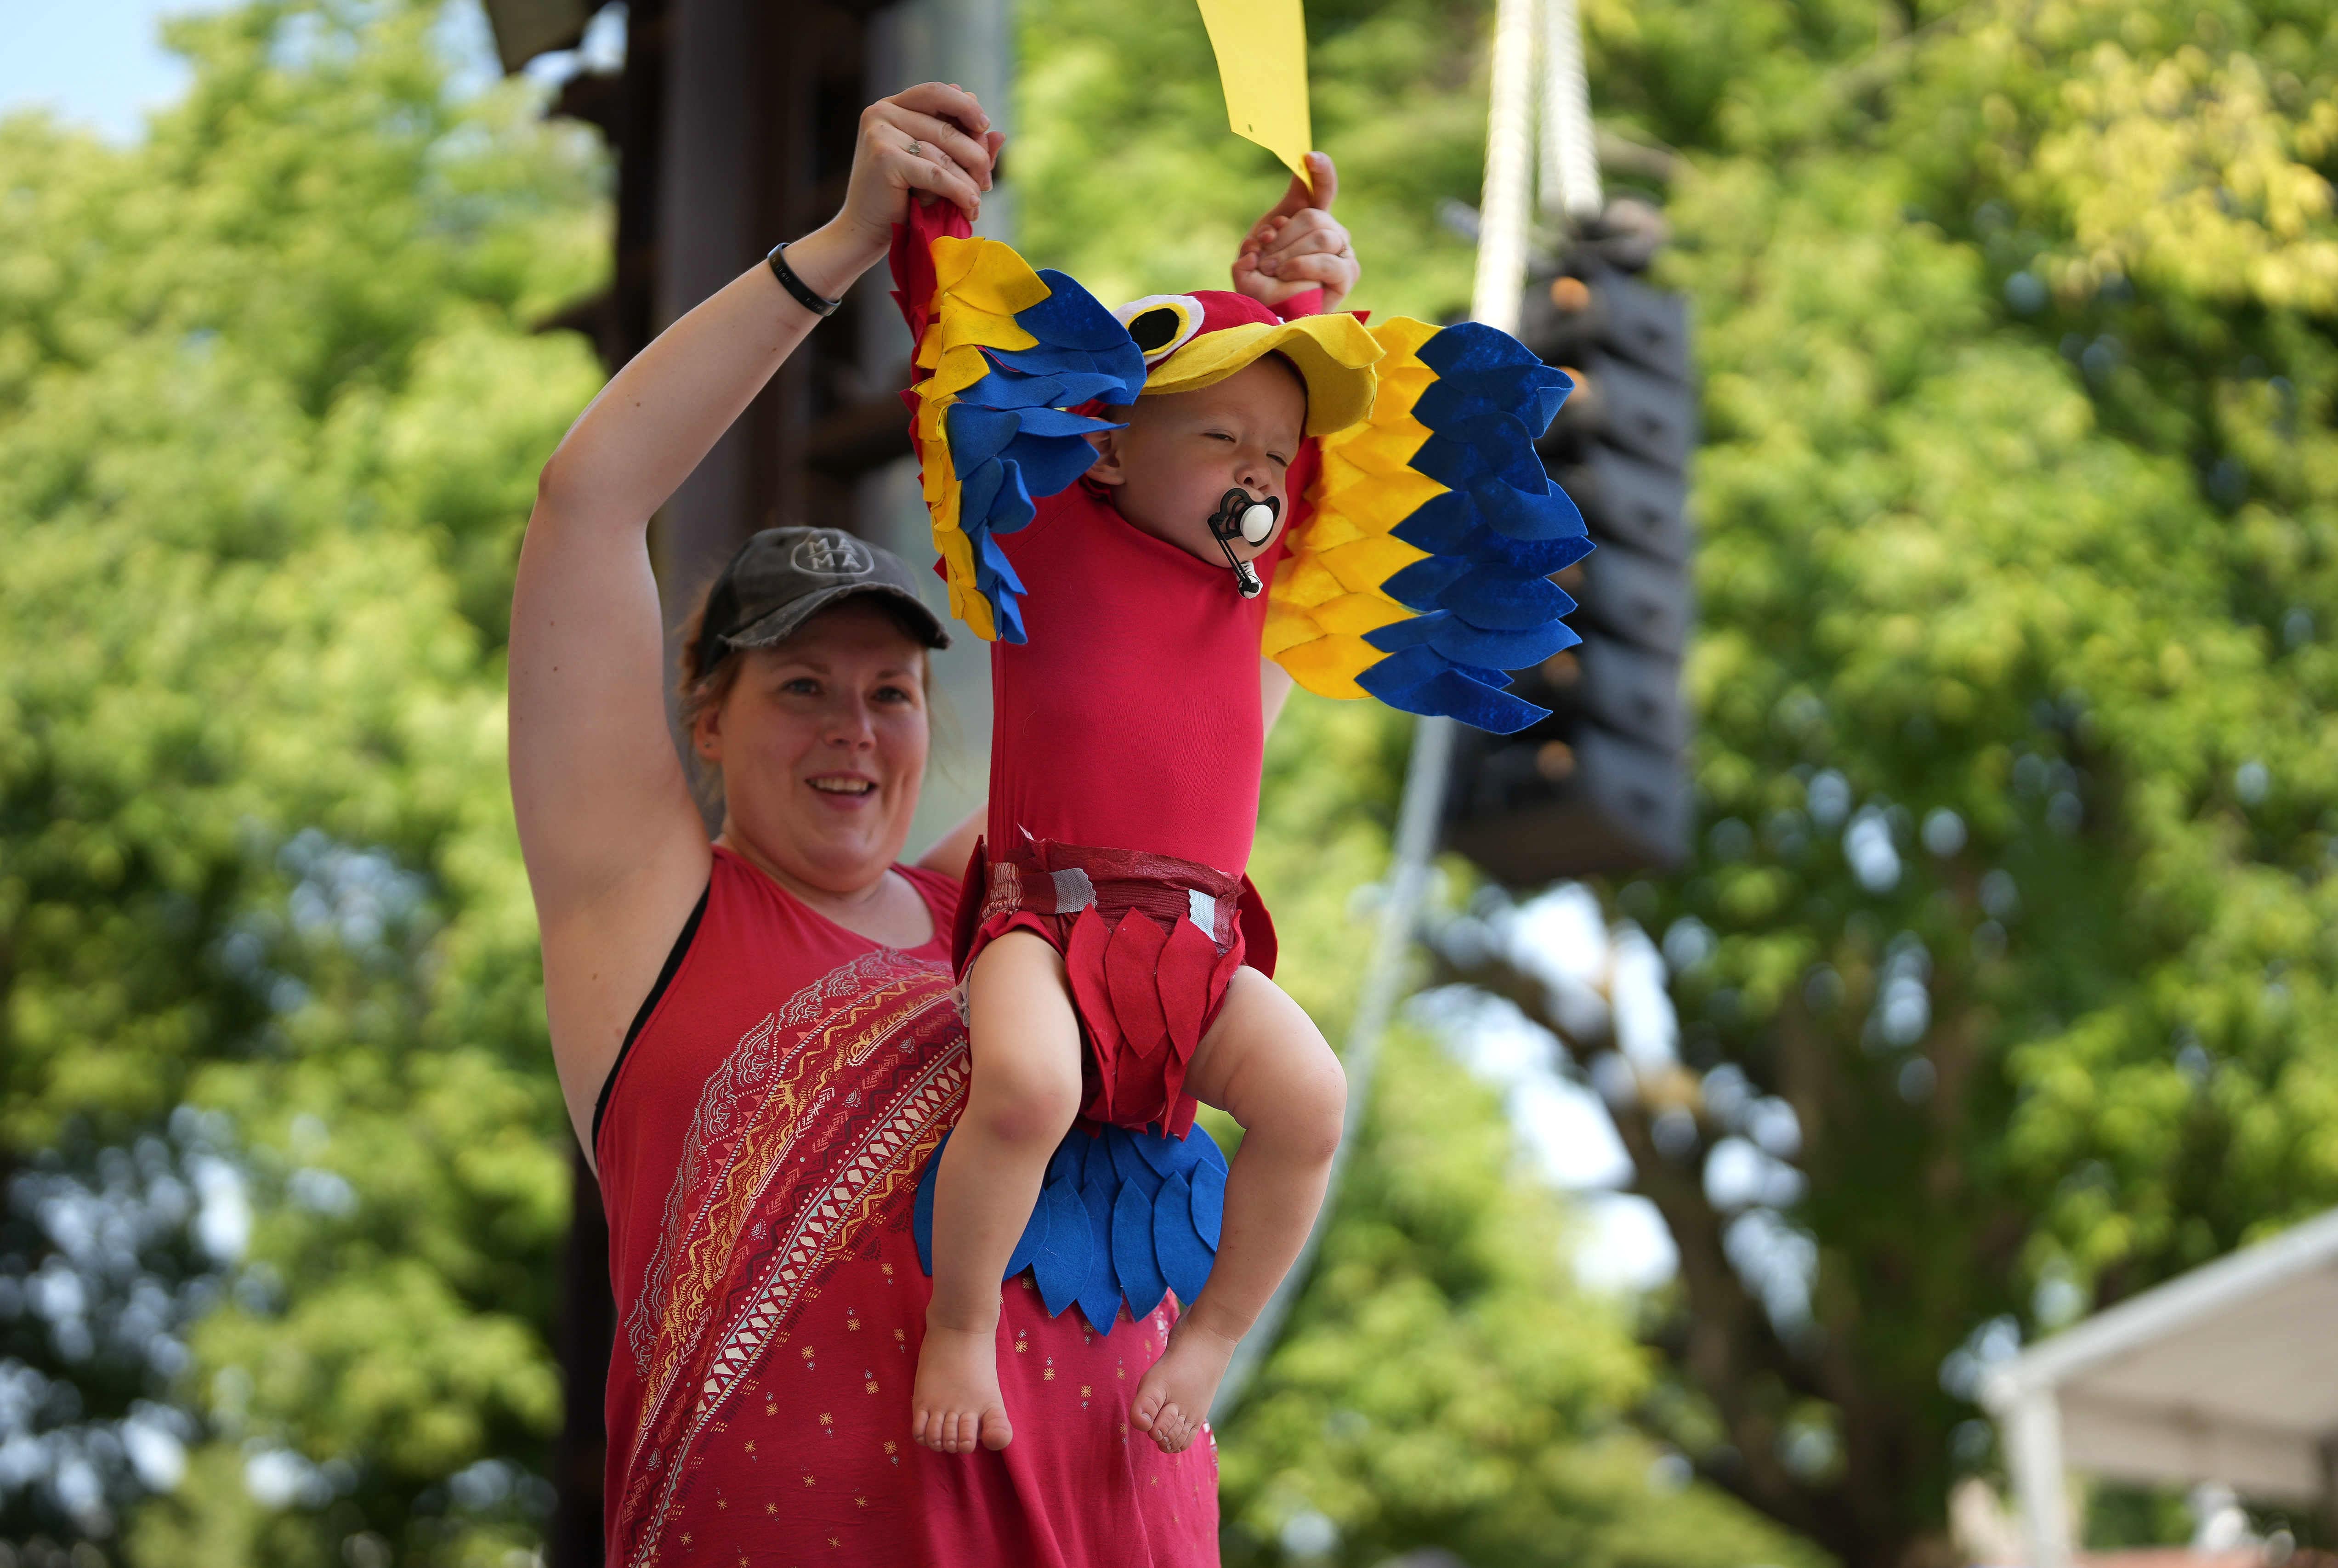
[
  {"x": 940, "y": 178},
  {"x": 945, "y": 138},
  {"x": 1311, "y": 247},
  {"x": 1332, "y": 272},
  {"x": 955, "y": 153},
  {"x": 943, "y": 101},
  {"x": 1305, "y": 233}
]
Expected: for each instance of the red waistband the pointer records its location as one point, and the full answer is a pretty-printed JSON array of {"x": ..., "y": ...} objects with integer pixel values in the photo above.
[{"x": 1040, "y": 876}]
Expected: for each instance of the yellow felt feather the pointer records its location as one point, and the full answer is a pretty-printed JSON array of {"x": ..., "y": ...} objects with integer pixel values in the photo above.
[
  {"x": 1327, "y": 594},
  {"x": 979, "y": 285}
]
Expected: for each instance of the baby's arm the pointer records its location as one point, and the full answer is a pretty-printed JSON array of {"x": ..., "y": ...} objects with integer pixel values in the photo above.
[{"x": 1273, "y": 687}]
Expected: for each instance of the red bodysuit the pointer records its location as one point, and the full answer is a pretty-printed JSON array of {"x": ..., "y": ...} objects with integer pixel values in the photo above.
[{"x": 1129, "y": 721}]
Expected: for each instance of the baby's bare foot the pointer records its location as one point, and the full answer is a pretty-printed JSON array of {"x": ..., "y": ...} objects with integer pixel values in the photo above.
[
  {"x": 955, "y": 1403},
  {"x": 1173, "y": 1398}
]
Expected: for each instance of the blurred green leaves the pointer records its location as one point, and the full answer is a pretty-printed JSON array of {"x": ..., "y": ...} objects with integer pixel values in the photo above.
[{"x": 270, "y": 410}]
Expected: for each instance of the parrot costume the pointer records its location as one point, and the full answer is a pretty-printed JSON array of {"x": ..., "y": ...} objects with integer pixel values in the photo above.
[{"x": 1414, "y": 566}]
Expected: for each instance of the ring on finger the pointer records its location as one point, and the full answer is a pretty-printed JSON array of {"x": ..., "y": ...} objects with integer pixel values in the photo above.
[{"x": 917, "y": 149}]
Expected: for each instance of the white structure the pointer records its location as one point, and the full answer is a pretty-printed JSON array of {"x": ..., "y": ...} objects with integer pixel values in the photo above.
[{"x": 2227, "y": 1374}]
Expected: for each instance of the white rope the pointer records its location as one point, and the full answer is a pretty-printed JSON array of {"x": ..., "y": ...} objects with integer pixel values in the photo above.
[
  {"x": 1502, "y": 213},
  {"x": 1570, "y": 159},
  {"x": 1494, "y": 299}
]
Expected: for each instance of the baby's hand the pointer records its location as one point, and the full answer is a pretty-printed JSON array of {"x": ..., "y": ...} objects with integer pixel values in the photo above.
[{"x": 1298, "y": 245}]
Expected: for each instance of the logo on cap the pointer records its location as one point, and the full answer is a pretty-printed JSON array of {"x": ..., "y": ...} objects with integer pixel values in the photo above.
[{"x": 832, "y": 555}]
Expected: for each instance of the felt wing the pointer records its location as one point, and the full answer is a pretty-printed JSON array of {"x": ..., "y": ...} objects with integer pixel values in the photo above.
[
  {"x": 1121, "y": 1216},
  {"x": 1004, "y": 356},
  {"x": 1424, "y": 573}
]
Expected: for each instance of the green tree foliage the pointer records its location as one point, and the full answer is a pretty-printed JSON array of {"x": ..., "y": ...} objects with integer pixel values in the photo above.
[
  {"x": 2014, "y": 791},
  {"x": 269, "y": 415},
  {"x": 1130, "y": 180},
  {"x": 1443, "y": 1382},
  {"x": 2013, "y": 804}
]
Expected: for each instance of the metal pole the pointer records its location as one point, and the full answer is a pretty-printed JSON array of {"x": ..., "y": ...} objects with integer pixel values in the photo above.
[
  {"x": 1494, "y": 299},
  {"x": 2033, "y": 1432}
]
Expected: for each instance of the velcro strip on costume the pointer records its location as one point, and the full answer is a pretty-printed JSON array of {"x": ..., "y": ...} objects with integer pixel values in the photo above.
[
  {"x": 1004, "y": 355},
  {"x": 1122, "y": 1217},
  {"x": 1424, "y": 573}
]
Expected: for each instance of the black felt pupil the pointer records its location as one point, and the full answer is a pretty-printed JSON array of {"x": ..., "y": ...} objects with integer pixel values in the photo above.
[{"x": 1155, "y": 327}]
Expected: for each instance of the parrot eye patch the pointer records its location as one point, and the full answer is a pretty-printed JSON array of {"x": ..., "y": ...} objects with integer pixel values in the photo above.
[{"x": 1161, "y": 324}]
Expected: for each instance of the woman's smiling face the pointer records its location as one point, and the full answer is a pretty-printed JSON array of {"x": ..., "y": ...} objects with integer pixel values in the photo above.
[
  {"x": 1179, "y": 454},
  {"x": 822, "y": 742}
]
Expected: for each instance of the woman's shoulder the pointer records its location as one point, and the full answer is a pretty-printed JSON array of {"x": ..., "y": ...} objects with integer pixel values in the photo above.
[{"x": 939, "y": 889}]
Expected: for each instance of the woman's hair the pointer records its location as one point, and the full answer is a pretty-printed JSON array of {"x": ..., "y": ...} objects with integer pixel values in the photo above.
[{"x": 699, "y": 691}]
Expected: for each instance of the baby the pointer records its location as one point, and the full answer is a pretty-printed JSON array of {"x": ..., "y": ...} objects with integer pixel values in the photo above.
[{"x": 1116, "y": 963}]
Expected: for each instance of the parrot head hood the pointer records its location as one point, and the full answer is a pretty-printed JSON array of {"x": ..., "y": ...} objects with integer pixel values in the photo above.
[{"x": 1194, "y": 341}]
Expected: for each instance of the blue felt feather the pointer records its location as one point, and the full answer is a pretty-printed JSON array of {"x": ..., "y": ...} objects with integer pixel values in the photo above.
[
  {"x": 1100, "y": 1296},
  {"x": 1184, "y": 1257},
  {"x": 1450, "y": 692},
  {"x": 1482, "y": 598},
  {"x": 1465, "y": 644},
  {"x": 1500, "y": 601},
  {"x": 1070, "y": 318},
  {"x": 1210, "y": 1199},
  {"x": 1061, "y": 1267},
  {"x": 1453, "y": 524},
  {"x": 1028, "y": 1245},
  {"x": 1098, "y": 1157},
  {"x": 1165, "y": 1155},
  {"x": 1524, "y": 515},
  {"x": 1110, "y": 1227},
  {"x": 1012, "y": 436},
  {"x": 1134, "y": 1168},
  {"x": 921, "y": 1212},
  {"x": 1141, "y": 1282}
]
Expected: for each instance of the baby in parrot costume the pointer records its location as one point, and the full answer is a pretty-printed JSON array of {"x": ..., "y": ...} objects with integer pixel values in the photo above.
[{"x": 1133, "y": 507}]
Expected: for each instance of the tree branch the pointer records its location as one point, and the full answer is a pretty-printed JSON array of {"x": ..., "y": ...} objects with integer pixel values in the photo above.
[{"x": 1730, "y": 1347}]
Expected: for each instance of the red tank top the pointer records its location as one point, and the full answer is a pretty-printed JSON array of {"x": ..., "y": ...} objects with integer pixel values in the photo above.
[
  {"x": 760, "y": 1147},
  {"x": 1130, "y": 719}
]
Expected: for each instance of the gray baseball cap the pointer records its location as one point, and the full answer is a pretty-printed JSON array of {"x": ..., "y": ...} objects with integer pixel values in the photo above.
[{"x": 782, "y": 578}]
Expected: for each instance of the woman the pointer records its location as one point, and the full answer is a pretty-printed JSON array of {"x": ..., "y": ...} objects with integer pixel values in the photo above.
[{"x": 756, "y": 1038}]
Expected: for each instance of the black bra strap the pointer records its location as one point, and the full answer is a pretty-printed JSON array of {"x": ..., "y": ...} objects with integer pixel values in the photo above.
[{"x": 649, "y": 1005}]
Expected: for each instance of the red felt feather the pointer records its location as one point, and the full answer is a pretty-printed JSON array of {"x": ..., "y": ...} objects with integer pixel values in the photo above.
[
  {"x": 1130, "y": 964},
  {"x": 1188, "y": 961},
  {"x": 1083, "y": 959}
]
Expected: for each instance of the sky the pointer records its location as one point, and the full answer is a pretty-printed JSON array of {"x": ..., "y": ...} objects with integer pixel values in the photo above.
[{"x": 100, "y": 62}]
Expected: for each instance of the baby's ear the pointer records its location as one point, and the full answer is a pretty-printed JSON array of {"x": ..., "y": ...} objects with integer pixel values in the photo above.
[{"x": 1107, "y": 469}]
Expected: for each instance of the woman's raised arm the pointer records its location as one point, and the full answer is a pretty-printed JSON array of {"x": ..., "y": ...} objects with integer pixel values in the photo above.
[{"x": 611, "y": 837}]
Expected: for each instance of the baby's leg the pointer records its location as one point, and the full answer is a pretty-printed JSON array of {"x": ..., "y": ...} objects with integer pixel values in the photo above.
[
  {"x": 1024, "y": 1091},
  {"x": 1264, "y": 1063}
]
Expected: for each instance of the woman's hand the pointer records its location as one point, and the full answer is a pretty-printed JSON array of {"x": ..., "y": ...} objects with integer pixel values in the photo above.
[
  {"x": 1298, "y": 245},
  {"x": 929, "y": 141}
]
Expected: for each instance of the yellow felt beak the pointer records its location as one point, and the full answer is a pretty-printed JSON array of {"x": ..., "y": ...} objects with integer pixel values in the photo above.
[{"x": 1335, "y": 354}]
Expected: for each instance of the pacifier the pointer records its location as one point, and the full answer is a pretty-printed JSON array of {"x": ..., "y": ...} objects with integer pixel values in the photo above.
[{"x": 1239, "y": 516}]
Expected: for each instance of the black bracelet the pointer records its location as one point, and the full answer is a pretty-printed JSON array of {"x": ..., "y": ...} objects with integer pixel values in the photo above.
[{"x": 798, "y": 290}]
